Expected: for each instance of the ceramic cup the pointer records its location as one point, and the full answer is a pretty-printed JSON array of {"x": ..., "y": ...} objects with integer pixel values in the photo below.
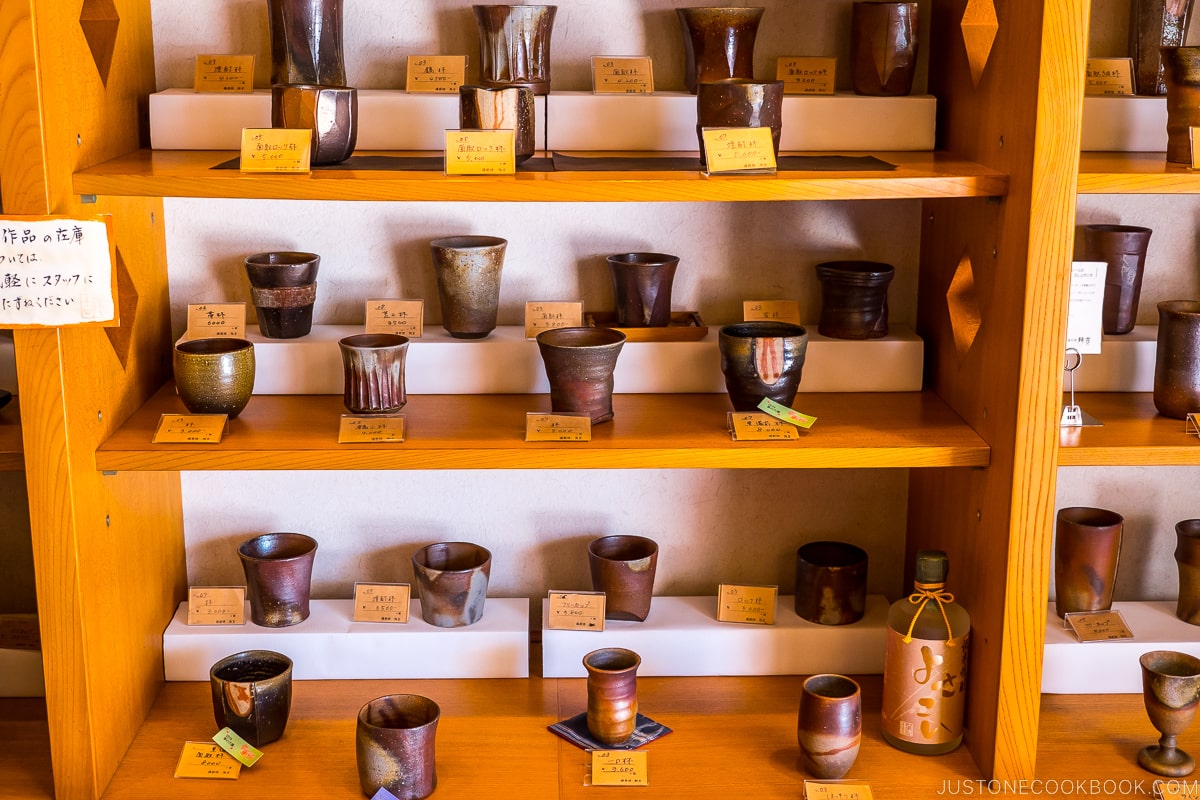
[
  {"x": 330, "y": 112},
  {"x": 718, "y": 42},
  {"x": 452, "y": 580},
  {"x": 739, "y": 103},
  {"x": 612, "y": 704},
  {"x": 278, "y": 569},
  {"x": 283, "y": 288},
  {"x": 829, "y": 727},
  {"x": 501, "y": 108},
  {"x": 514, "y": 45},
  {"x": 1187, "y": 557},
  {"x": 394, "y": 745},
  {"x": 1154, "y": 24},
  {"x": 252, "y": 694},
  {"x": 579, "y": 366},
  {"x": 762, "y": 359},
  {"x": 642, "y": 288},
  {"x": 306, "y": 41},
  {"x": 1123, "y": 249},
  {"x": 1177, "y": 359},
  {"x": 1181, "y": 73},
  {"x": 883, "y": 47},
  {"x": 373, "y": 372},
  {"x": 214, "y": 376},
  {"x": 623, "y": 568},
  {"x": 1087, "y": 545},
  {"x": 1171, "y": 694},
  {"x": 468, "y": 280},
  {"x": 831, "y": 583},
  {"x": 854, "y": 299}
]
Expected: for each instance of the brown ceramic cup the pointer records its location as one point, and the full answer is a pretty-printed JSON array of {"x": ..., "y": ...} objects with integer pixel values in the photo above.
[
  {"x": 762, "y": 359},
  {"x": 883, "y": 47},
  {"x": 214, "y": 376},
  {"x": 854, "y": 299},
  {"x": 452, "y": 580},
  {"x": 829, "y": 725},
  {"x": 395, "y": 744},
  {"x": 1123, "y": 250},
  {"x": 495, "y": 108},
  {"x": 514, "y": 45},
  {"x": 278, "y": 568},
  {"x": 1177, "y": 359},
  {"x": 623, "y": 568},
  {"x": 642, "y": 288},
  {"x": 252, "y": 694},
  {"x": 831, "y": 583},
  {"x": 1187, "y": 557},
  {"x": 1087, "y": 546},
  {"x": 580, "y": 363},
  {"x": 612, "y": 705},
  {"x": 373, "y": 372},
  {"x": 739, "y": 103},
  {"x": 330, "y": 112},
  {"x": 1171, "y": 694},
  {"x": 718, "y": 42},
  {"x": 283, "y": 288}
]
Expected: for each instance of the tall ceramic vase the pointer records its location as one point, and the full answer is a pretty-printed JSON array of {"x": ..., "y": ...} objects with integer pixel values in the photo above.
[
  {"x": 718, "y": 43},
  {"x": 612, "y": 705},
  {"x": 306, "y": 42},
  {"x": 1123, "y": 249},
  {"x": 1187, "y": 556},
  {"x": 1181, "y": 73},
  {"x": 1154, "y": 24},
  {"x": 514, "y": 45},
  {"x": 1177, "y": 363}
]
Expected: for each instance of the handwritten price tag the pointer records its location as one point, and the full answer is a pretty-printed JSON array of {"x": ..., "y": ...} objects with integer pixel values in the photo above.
[
  {"x": 371, "y": 428},
  {"x": 405, "y": 317},
  {"x": 576, "y": 611},
  {"x": 780, "y": 411},
  {"x": 557, "y": 427},
  {"x": 620, "y": 768},
  {"x": 437, "y": 74},
  {"x": 224, "y": 74},
  {"x": 381, "y": 602},
  {"x": 1098, "y": 626},
  {"x": 213, "y": 320},
  {"x": 238, "y": 747},
  {"x": 544, "y": 316},
  {"x": 754, "y": 427},
  {"x": 806, "y": 75},
  {"x": 738, "y": 150},
  {"x": 480, "y": 152},
  {"x": 622, "y": 75},
  {"x": 190, "y": 429},
  {"x": 57, "y": 271},
  {"x": 815, "y": 790},
  {"x": 1178, "y": 789},
  {"x": 276, "y": 150},
  {"x": 1111, "y": 76},
  {"x": 20, "y": 632},
  {"x": 206, "y": 760},
  {"x": 216, "y": 605},
  {"x": 771, "y": 310},
  {"x": 751, "y": 605}
]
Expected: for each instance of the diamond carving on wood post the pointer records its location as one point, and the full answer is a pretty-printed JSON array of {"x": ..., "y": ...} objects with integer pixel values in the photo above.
[
  {"x": 99, "y": 20},
  {"x": 979, "y": 27},
  {"x": 962, "y": 302},
  {"x": 127, "y": 302}
]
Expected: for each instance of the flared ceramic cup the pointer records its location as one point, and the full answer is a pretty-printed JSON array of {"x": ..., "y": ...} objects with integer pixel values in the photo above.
[
  {"x": 395, "y": 748},
  {"x": 612, "y": 704},
  {"x": 883, "y": 47},
  {"x": 831, "y": 583},
  {"x": 501, "y": 108},
  {"x": 452, "y": 580},
  {"x": 278, "y": 569},
  {"x": 642, "y": 288},
  {"x": 306, "y": 42},
  {"x": 283, "y": 288},
  {"x": 514, "y": 45},
  {"x": 739, "y": 103},
  {"x": 252, "y": 694},
  {"x": 373, "y": 372},
  {"x": 1181, "y": 73},
  {"x": 1123, "y": 249},
  {"x": 214, "y": 376},
  {"x": 468, "y": 269},
  {"x": 330, "y": 112},
  {"x": 829, "y": 727},
  {"x": 579, "y": 366},
  {"x": 762, "y": 359},
  {"x": 854, "y": 299},
  {"x": 623, "y": 568},
  {"x": 1087, "y": 546},
  {"x": 718, "y": 42}
]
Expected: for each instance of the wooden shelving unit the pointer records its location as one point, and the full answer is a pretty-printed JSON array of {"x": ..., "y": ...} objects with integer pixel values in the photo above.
[
  {"x": 1133, "y": 434},
  {"x": 1135, "y": 173}
]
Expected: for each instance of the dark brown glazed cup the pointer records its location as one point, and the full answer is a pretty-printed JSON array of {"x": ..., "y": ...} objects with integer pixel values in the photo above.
[
  {"x": 883, "y": 48},
  {"x": 1187, "y": 557},
  {"x": 612, "y": 704},
  {"x": 1087, "y": 547},
  {"x": 1171, "y": 693},
  {"x": 452, "y": 580},
  {"x": 252, "y": 694},
  {"x": 395, "y": 747},
  {"x": 1154, "y": 24},
  {"x": 1181, "y": 72},
  {"x": 579, "y": 366},
  {"x": 373, "y": 371},
  {"x": 762, "y": 359},
  {"x": 468, "y": 270},
  {"x": 739, "y": 103},
  {"x": 214, "y": 376},
  {"x": 829, "y": 725},
  {"x": 623, "y": 568},
  {"x": 718, "y": 43},
  {"x": 1123, "y": 249},
  {"x": 282, "y": 269},
  {"x": 306, "y": 42},
  {"x": 854, "y": 299},
  {"x": 642, "y": 288},
  {"x": 514, "y": 45},
  {"x": 501, "y": 108},
  {"x": 1177, "y": 359},
  {"x": 831, "y": 583},
  {"x": 278, "y": 569},
  {"x": 330, "y": 112}
]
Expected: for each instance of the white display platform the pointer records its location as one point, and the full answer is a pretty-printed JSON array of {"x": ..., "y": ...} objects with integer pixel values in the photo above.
[
  {"x": 329, "y": 645},
  {"x": 21, "y": 673},
  {"x": 1127, "y": 124},
  {"x": 181, "y": 119},
  {"x": 1124, "y": 364},
  {"x": 1073, "y": 667},
  {"x": 508, "y": 363},
  {"x": 682, "y": 637}
]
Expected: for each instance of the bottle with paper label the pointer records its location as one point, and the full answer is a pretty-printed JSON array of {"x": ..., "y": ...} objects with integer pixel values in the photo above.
[{"x": 925, "y": 669}]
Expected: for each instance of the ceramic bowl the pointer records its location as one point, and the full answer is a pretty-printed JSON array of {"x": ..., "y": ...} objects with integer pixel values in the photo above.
[{"x": 214, "y": 376}]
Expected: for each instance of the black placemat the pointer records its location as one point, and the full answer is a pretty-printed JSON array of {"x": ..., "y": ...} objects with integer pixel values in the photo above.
[
  {"x": 565, "y": 163},
  {"x": 403, "y": 164},
  {"x": 575, "y": 731}
]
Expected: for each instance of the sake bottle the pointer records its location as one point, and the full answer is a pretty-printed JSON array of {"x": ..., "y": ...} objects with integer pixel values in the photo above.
[{"x": 925, "y": 667}]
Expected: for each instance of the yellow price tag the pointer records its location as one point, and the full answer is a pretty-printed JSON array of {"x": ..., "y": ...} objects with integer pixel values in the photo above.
[
  {"x": 1178, "y": 789},
  {"x": 382, "y": 602},
  {"x": 780, "y": 411},
  {"x": 544, "y": 316},
  {"x": 405, "y": 317},
  {"x": 557, "y": 427},
  {"x": 237, "y": 747},
  {"x": 738, "y": 150},
  {"x": 1109, "y": 76},
  {"x": 371, "y": 428},
  {"x": 480, "y": 152},
  {"x": 751, "y": 605},
  {"x": 190, "y": 429},
  {"x": 212, "y": 320},
  {"x": 1098, "y": 626},
  {"x": 816, "y": 790},
  {"x": 620, "y": 768},
  {"x": 576, "y": 611},
  {"x": 206, "y": 760},
  {"x": 806, "y": 74},
  {"x": 436, "y": 74},
  {"x": 771, "y": 310},
  {"x": 224, "y": 74},
  {"x": 276, "y": 150},
  {"x": 754, "y": 427},
  {"x": 622, "y": 75},
  {"x": 216, "y": 605}
]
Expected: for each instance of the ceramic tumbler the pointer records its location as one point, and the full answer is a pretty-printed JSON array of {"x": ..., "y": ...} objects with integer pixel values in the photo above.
[
  {"x": 252, "y": 694},
  {"x": 452, "y": 581},
  {"x": 1154, "y": 24},
  {"x": 1181, "y": 73},
  {"x": 739, "y": 103},
  {"x": 283, "y": 288},
  {"x": 278, "y": 568},
  {"x": 642, "y": 288},
  {"x": 501, "y": 108},
  {"x": 395, "y": 746},
  {"x": 514, "y": 45},
  {"x": 579, "y": 366},
  {"x": 854, "y": 299},
  {"x": 373, "y": 371},
  {"x": 829, "y": 725},
  {"x": 1187, "y": 557},
  {"x": 623, "y": 568},
  {"x": 468, "y": 269},
  {"x": 306, "y": 42},
  {"x": 762, "y": 359},
  {"x": 330, "y": 112},
  {"x": 718, "y": 43},
  {"x": 831, "y": 583},
  {"x": 1177, "y": 360},
  {"x": 1123, "y": 249},
  {"x": 612, "y": 704},
  {"x": 883, "y": 47},
  {"x": 1087, "y": 546},
  {"x": 214, "y": 376},
  {"x": 1171, "y": 694}
]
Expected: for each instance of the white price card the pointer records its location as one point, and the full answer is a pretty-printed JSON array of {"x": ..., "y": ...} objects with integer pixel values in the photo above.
[
  {"x": 57, "y": 271},
  {"x": 1085, "y": 308}
]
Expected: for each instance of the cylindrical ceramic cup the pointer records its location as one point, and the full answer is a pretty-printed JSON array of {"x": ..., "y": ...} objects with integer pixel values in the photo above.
[
  {"x": 831, "y": 583},
  {"x": 623, "y": 568},
  {"x": 642, "y": 288},
  {"x": 252, "y": 694},
  {"x": 214, "y": 376},
  {"x": 762, "y": 359},
  {"x": 278, "y": 569},
  {"x": 501, "y": 108},
  {"x": 883, "y": 47},
  {"x": 373, "y": 371},
  {"x": 1187, "y": 557},
  {"x": 514, "y": 45},
  {"x": 1177, "y": 359},
  {"x": 612, "y": 704},
  {"x": 452, "y": 580},
  {"x": 468, "y": 270},
  {"x": 829, "y": 728},
  {"x": 739, "y": 103},
  {"x": 394, "y": 744},
  {"x": 330, "y": 112},
  {"x": 579, "y": 366},
  {"x": 283, "y": 288},
  {"x": 1087, "y": 546}
]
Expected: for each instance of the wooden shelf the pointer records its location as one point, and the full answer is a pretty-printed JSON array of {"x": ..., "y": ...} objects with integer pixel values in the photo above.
[
  {"x": 12, "y": 447},
  {"x": 180, "y": 173},
  {"x": 1133, "y": 434},
  {"x": 25, "y": 770},
  {"x": 731, "y": 737},
  {"x": 904, "y": 429},
  {"x": 1135, "y": 173}
]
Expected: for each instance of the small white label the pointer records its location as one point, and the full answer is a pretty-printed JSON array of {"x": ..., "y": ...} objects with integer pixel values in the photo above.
[{"x": 1086, "y": 306}]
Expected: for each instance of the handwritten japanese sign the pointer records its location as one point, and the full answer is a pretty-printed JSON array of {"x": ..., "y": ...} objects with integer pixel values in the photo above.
[
  {"x": 371, "y": 428},
  {"x": 212, "y": 320},
  {"x": 620, "y": 768},
  {"x": 576, "y": 611},
  {"x": 772, "y": 310},
  {"x": 382, "y": 602},
  {"x": 817, "y": 790},
  {"x": 57, "y": 271},
  {"x": 738, "y": 150},
  {"x": 437, "y": 74},
  {"x": 190, "y": 429},
  {"x": 234, "y": 73},
  {"x": 751, "y": 605},
  {"x": 622, "y": 75},
  {"x": 238, "y": 747},
  {"x": 206, "y": 760},
  {"x": 1085, "y": 306},
  {"x": 20, "y": 632},
  {"x": 216, "y": 605},
  {"x": 544, "y": 316},
  {"x": 1111, "y": 76},
  {"x": 480, "y": 152},
  {"x": 756, "y": 427},
  {"x": 276, "y": 150},
  {"x": 1098, "y": 626},
  {"x": 557, "y": 427},
  {"x": 405, "y": 317},
  {"x": 806, "y": 75}
]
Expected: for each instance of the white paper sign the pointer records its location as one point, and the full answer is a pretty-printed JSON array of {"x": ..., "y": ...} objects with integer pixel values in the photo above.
[
  {"x": 55, "y": 271},
  {"x": 1084, "y": 323}
]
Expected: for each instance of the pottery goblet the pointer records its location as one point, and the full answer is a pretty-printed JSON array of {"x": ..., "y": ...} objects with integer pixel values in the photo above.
[{"x": 1171, "y": 692}]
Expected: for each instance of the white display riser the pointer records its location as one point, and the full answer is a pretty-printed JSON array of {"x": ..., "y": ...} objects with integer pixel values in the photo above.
[
  {"x": 1073, "y": 667},
  {"x": 1127, "y": 124},
  {"x": 681, "y": 637},
  {"x": 508, "y": 363},
  {"x": 329, "y": 645},
  {"x": 181, "y": 119},
  {"x": 21, "y": 673},
  {"x": 1125, "y": 363}
]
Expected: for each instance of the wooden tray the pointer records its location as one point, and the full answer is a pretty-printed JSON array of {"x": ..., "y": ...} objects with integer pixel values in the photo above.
[{"x": 685, "y": 326}]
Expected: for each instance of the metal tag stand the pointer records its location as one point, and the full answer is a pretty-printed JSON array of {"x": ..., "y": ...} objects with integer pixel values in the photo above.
[{"x": 1072, "y": 415}]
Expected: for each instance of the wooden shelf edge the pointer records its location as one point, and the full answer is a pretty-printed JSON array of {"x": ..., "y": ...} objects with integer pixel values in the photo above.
[
  {"x": 1134, "y": 173},
  {"x": 1133, "y": 434}
]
